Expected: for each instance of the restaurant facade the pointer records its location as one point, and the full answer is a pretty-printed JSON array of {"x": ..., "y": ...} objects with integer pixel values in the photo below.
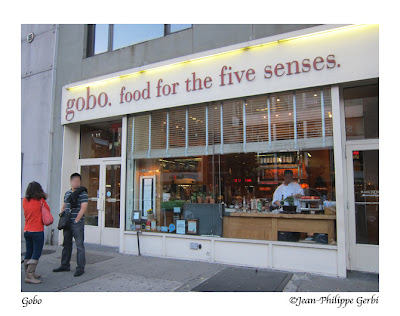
[{"x": 181, "y": 157}]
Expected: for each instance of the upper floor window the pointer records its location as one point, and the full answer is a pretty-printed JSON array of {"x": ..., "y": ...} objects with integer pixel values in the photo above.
[{"x": 107, "y": 37}]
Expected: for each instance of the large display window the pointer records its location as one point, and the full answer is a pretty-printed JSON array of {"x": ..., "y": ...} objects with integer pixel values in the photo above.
[
  {"x": 207, "y": 191},
  {"x": 212, "y": 169}
]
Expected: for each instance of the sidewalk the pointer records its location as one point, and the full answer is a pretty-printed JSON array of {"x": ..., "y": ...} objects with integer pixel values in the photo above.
[{"x": 109, "y": 271}]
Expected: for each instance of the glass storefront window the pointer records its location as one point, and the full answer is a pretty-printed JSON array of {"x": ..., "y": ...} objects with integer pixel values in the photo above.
[
  {"x": 238, "y": 186},
  {"x": 361, "y": 107},
  {"x": 282, "y": 124},
  {"x": 101, "y": 140},
  {"x": 216, "y": 167}
]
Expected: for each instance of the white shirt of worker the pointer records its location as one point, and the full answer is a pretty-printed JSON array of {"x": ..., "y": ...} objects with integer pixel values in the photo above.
[{"x": 292, "y": 188}]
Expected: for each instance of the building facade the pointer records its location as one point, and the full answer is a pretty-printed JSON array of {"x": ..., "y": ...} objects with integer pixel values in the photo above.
[{"x": 182, "y": 134}]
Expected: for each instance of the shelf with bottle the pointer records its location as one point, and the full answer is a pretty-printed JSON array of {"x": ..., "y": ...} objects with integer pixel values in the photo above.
[{"x": 278, "y": 158}]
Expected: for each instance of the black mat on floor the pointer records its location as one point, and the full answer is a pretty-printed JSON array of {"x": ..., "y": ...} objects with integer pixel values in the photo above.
[
  {"x": 91, "y": 257},
  {"x": 245, "y": 280}
]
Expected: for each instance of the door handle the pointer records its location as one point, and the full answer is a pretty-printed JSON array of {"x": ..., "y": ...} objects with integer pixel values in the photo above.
[{"x": 99, "y": 204}]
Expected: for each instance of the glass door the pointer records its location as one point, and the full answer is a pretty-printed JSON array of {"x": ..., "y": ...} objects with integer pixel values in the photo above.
[
  {"x": 102, "y": 217},
  {"x": 363, "y": 175},
  {"x": 91, "y": 179},
  {"x": 111, "y": 204}
]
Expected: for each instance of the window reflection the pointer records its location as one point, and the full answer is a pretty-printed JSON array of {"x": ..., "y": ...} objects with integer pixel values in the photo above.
[
  {"x": 129, "y": 34},
  {"x": 101, "y": 38},
  {"x": 179, "y": 27},
  {"x": 108, "y": 37},
  {"x": 101, "y": 140},
  {"x": 361, "y": 106}
]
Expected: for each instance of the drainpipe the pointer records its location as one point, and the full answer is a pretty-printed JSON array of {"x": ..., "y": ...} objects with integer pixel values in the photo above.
[{"x": 51, "y": 127}]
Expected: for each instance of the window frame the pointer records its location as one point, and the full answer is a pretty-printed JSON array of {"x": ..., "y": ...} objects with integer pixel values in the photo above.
[{"x": 91, "y": 38}]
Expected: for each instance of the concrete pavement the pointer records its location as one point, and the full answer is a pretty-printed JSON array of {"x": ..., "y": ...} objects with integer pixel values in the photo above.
[{"x": 109, "y": 271}]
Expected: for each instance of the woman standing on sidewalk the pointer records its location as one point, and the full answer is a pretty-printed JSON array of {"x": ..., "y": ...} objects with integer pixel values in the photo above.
[{"x": 34, "y": 229}]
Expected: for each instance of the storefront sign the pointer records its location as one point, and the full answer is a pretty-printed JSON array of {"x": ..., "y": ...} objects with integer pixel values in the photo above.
[{"x": 262, "y": 66}]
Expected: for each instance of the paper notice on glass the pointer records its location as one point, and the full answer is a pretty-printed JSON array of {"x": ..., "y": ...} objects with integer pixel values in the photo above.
[
  {"x": 180, "y": 226},
  {"x": 166, "y": 197},
  {"x": 192, "y": 227},
  {"x": 177, "y": 209}
]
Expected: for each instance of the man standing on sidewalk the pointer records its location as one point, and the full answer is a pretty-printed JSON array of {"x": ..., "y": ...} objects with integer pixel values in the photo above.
[{"x": 76, "y": 202}]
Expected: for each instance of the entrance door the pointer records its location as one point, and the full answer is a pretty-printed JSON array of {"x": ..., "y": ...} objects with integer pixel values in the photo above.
[
  {"x": 363, "y": 206},
  {"x": 102, "y": 217}
]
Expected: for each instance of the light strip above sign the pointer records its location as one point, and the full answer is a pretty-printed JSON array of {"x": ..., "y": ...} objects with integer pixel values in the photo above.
[{"x": 216, "y": 54}]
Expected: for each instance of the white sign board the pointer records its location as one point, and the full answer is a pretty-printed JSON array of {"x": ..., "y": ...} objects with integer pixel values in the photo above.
[{"x": 322, "y": 59}]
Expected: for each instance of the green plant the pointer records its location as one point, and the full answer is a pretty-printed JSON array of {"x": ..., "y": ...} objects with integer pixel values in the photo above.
[
  {"x": 290, "y": 200},
  {"x": 172, "y": 204}
]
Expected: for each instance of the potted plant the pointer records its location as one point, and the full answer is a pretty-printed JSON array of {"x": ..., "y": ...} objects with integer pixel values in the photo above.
[
  {"x": 150, "y": 214},
  {"x": 169, "y": 205},
  {"x": 290, "y": 200},
  {"x": 291, "y": 207},
  {"x": 208, "y": 198},
  {"x": 212, "y": 199},
  {"x": 200, "y": 198}
]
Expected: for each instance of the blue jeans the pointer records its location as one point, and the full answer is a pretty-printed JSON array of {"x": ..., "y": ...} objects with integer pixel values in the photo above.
[
  {"x": 76, "y": 231},
  {"x": 34, "y": 244}
]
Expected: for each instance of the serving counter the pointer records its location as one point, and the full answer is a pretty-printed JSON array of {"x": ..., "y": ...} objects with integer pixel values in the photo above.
[{"x": 266, "y": 226}]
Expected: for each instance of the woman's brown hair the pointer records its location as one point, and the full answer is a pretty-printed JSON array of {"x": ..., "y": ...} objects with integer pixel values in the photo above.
[{"x": 35, "y": 191}]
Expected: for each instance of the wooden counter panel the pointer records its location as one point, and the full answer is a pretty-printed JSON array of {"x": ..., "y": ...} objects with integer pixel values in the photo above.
[
  {"x": 247, "y": 228},
  {"x": 270, "y": 215},
  {"x": 266, "y": 226},
  {"x": 302, "y": 226}
]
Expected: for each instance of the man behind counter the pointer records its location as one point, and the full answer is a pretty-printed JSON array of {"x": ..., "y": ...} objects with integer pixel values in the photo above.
[{"x": 288, "y": 188}]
